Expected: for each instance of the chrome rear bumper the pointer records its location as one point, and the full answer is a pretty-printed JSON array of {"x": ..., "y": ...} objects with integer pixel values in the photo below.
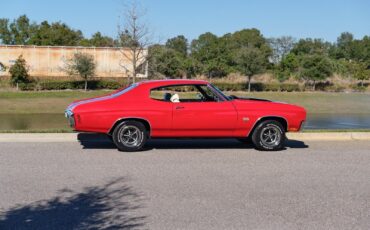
[{"x": 70, "y": 117}]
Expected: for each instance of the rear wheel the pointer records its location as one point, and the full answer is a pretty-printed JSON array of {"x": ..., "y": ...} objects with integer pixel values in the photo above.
[
  {"x": 269, "y": 135},
  {"x": 130, "y": 136}
]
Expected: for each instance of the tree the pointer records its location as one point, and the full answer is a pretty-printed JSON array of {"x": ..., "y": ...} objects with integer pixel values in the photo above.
[
  {"x": 2, "y": 67},
  {"x": 315, "y": 68},
  {"x": 211, "y": 52},
  {"x": 60, "y": 34},
  {"x": 250, "y": 61},
  {"x": 83, "y": 65},
  {"x": 179, "y": 44},
  {"x": 288, "y": 65},
  {"x": 281, "y": 47},
  {"x": 133, "y": 36},
  {"x": 166, "y": 61},
  {"x": 22, "y": 32},
  {"x": 19, "y": 71},
  {"x": 5, "y": 34},
  {"x": 98, "y": 40},
  {"x": 345, "y": 45},
  {"x": 311, "y": 46},
  {"x": 18, "y": 32},
  {"x": 361, "y": 72}
]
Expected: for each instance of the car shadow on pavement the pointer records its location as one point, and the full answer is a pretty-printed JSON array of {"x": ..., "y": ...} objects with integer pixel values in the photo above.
[
  {"x": 101, "y": 141},
  {"x": 110, "y": 206}
]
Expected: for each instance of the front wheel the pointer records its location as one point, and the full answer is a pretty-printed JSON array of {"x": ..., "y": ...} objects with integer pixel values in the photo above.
[
  {"x": 269, "y": 135},
  {"x": 130, "y": 136}
]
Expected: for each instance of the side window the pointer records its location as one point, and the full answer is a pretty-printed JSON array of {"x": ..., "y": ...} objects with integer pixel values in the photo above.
[{"x": 181, "y": 93}]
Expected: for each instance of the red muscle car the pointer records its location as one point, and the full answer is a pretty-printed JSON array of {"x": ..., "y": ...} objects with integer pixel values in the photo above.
[{"x": 184, "y": 108}]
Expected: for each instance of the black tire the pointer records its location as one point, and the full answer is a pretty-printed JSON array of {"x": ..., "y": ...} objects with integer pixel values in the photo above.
[
  {"x": 269, "y": 135},
  {"x": 130, "y": 136}
]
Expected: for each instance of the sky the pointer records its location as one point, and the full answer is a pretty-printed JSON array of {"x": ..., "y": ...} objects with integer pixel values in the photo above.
[{"x": 324, "y": 19}]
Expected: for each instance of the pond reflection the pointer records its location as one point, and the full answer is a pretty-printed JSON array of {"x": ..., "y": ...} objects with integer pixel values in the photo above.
[
  {"x": 338, "y": 121},
  {"x": 40, "y": 121},
  {"x": 45, "y": 121}
]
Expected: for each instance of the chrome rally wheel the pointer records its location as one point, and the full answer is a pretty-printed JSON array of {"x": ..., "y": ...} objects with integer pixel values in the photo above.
[
  {"x": 130, "y": 136},
  {"x": 269, "y": 135}
]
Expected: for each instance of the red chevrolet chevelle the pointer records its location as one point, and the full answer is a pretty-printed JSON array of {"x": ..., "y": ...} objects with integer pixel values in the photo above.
[{"x": 184, "y": 108}]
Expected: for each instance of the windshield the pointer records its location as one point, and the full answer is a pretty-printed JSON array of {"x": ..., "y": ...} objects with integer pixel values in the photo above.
[{"x": 221, "y": 93}]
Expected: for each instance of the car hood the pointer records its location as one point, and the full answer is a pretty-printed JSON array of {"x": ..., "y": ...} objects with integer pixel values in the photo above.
[{"x": 264, "y": 104}]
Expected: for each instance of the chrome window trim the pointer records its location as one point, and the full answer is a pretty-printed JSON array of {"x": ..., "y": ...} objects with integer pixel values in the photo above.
[{"x": 195, "y": 85}]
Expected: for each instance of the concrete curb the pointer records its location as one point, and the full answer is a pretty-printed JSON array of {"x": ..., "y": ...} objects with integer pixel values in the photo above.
[
  {"x": 330, "y": 136},
  {"x": 72, "y": 137},
  {"x": 38, "y": 137}
]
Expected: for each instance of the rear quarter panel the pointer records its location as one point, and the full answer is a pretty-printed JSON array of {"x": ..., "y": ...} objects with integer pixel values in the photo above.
[{"x": 100, "y": 116}]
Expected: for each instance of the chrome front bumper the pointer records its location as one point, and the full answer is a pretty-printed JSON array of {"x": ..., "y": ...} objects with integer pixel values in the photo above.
[{"x": 70, "y": 117}]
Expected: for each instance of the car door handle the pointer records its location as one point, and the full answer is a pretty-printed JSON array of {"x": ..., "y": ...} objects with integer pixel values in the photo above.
[{"x": 180, "y": 107}]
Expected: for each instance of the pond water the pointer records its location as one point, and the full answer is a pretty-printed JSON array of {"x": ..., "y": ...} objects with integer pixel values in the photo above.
[
  {"x": 40, "y": 121},
  {"x": 46, "y": 121},
  {"x": 337, "y": 121}
]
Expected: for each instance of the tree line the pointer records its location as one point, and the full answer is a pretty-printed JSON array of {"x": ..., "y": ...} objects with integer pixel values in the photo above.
[
  {"x": 21, "y": 31},
  {"x": 246, "y": 51}
]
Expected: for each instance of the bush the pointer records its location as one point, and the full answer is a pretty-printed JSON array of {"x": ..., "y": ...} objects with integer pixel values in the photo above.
[
  {"x": 335, "y": 88},
  {"x": 272, "y": 87},
  {"x": 94, "y": 84},
  {"x": 359, "y": 88},
  {"x": 323, "y": 85},
  {"x": 256, "y": 86},
  {"x": 62, "y": 85},
  {"x": 27, "y": 86},
  {"x": 290, "y": 87},
  {"x": 111, "y": 84},
  {"x": 19, "y": 71}
]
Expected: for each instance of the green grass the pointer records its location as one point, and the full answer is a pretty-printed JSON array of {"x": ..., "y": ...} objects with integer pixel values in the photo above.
[
  {"x": 314, "y": 102},
  {"x": 319, "y": 102},
  {"x": 42, "y": 102},
  {"x": 52, "y": 94}
]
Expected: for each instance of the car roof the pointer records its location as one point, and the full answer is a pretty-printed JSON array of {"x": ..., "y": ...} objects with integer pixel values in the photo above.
[{"x": 166, "y": 82}]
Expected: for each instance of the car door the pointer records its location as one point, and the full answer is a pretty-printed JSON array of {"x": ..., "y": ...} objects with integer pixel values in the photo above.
[{"x": 204, "y": 118}]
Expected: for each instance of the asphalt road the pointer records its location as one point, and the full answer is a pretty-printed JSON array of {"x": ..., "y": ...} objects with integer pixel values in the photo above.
[{"x": 203, "y": 184}]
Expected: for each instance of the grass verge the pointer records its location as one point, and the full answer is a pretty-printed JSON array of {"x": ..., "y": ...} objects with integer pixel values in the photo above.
[{"x": 314, "y": 102}]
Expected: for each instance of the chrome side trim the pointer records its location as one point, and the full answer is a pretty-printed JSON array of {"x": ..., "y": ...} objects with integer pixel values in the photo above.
[
  {"x": 125, "y": 118},
  {"x": 287, "y": 124}
]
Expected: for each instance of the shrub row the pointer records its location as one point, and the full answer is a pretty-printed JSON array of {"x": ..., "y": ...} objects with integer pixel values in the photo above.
[
  {"x": 259, "y": 87},
  {"x": 256, "y": 86},
  {"x": 60, "y": 85}
]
